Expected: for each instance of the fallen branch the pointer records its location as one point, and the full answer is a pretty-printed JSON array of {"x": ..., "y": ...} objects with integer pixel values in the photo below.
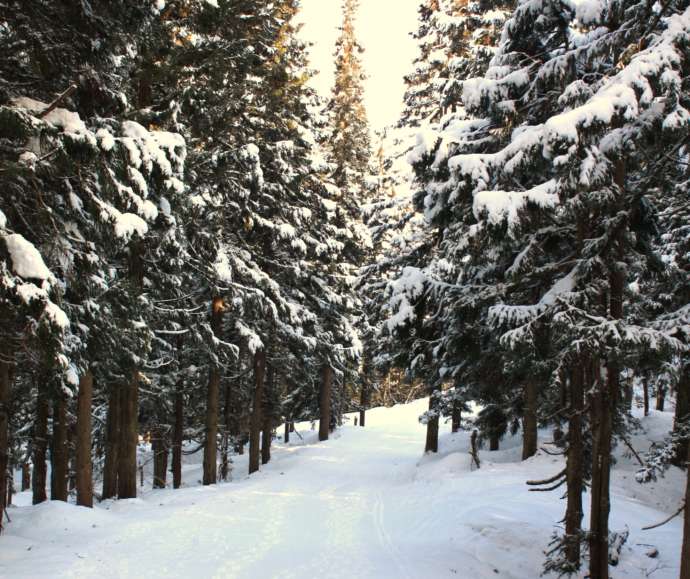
[
  {"x": 549, "y": 489},
  {"x": 629, "y": 445},
  {"x": 673, "y": 516},
  {"x": 547, "y": 481},
  {"x": 52, "y": 106}
]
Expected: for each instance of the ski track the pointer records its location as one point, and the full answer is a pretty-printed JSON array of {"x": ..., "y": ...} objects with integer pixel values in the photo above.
[{"x": 365, "y": 504}]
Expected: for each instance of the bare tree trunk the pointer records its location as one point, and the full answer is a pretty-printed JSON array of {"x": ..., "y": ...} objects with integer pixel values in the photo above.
[
  {"x": 529, "y": 420},
  {"x": 60, "y": 453},
  {"x": 26, "y": 476},
  {"x": 40, "y": 446},
  {"x": 682, "y": 412},
  {"x": 10, "y": 489},
  {"x": 685, "y": 550},
  {"x": 574, "y": 469},
  {"x": 628, "y": 400},
  {"x": 645, "y": 394},
  {"x": 456, "y": 417},
  {"x": 325, "y": 401},
  {"x": 431, "y": 444},
  {"x": 112, "y": 444},
  {"x": 159, "y": 446},
  {"x": 286, "y": 436},
  {"x": 660, "y": 397},
  {"x": 211, "y": 445},
  {"x": 494, "y": 442},
  {"x": 225, "y": 438},
  {"x": 212, "y": 402},
  {"x": 255, "y": 425},
  {"x": 5, "y": 387},
  {"x": 84, "y": 478},
  {"x": 129, "y": 437},
  {"x": 267, "y": 426},
  {"x": 364, "y": 401},
  {"x": 177, "y": 439}
]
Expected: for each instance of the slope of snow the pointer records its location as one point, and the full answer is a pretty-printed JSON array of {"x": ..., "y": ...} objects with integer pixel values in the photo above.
[{"x": 367, "y": 503}]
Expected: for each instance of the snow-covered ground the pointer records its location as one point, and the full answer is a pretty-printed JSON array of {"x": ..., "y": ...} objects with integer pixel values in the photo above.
[{"x": 364, "y": 504}]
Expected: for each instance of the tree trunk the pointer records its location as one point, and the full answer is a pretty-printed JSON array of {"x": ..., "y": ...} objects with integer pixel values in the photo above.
[
  {"x": 574, "y": 470},
  {"x": 4, "y": 432},
  {"x": 225, "y": 438},
  {"x": 431, "y": 444},
  {"x": 529, "y": 420},
  {"x": 112, "y": 444},
  {"x": 267, "y": 423},
  {"x": 26, "y": 476},
  {"x": 84, "y": 467},
  {"x": 40, "y": 444},
  {"x": 286, "y": 436},
  {"x": 456, "y": 417},
  {"x": 129, "y": 438},
  {"x": 364, "y": 401},
  {"x": 212, "y": 401},
  {"x": 494, "y": 442},
  {"x": 325, "y": 401},
  {"x": 255, "y": 424},
  {"x": 682, "y": 412},
  {"x": 660, "y": 397},
  {"x": 628, "y": 400},
  {"x": 266, "y": 441},
  {"x": 685, "y": 550},
  {"x": 211, "y": 445},
  {"x": 645, "y": 394},
  {"x": 60, "y": 452},
  {"x": 159, "y": 446},
  {"x": 177, "y": 439}
]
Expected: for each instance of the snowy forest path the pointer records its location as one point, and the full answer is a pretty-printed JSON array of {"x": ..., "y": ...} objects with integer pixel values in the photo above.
[{"x": 365, "y": 504}]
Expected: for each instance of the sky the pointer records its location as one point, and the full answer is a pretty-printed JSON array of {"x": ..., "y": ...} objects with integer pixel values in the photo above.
[{"x": 383, "y": 28}]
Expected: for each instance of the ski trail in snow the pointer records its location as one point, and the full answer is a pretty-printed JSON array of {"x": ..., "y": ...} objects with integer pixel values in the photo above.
[{"x": 385, "y": 538}]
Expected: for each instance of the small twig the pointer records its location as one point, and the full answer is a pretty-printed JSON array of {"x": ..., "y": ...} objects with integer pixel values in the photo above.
[
  {"x": 673, "y": 516},
  {"x": 52, "y": 106}
]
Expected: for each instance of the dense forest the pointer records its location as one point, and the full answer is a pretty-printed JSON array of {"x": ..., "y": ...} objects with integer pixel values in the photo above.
[{"x": 197, "y": 251}]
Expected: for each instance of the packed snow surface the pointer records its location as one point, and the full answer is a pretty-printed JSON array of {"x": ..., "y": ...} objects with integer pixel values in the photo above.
[{"x": 367, "y": 503}]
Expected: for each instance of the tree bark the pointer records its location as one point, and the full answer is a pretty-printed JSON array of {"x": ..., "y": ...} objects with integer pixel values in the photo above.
[
  {"x": 364, "y": 401},
  {"x": 286, "y": 437},
  {"x": 177, "y": 439},
  {"x": 112, "y": 445},
  {"x": 431, "y": 444},
  {"x": 225, "y": 438},
  {"x": 159, "y": 446},
  {"x": 40, "y": 445},
  {"x": 682, "y": 412},
  {"x": 211, "y": 445},
  {"x": 456, "y": 417},
  {"x": 645, "y": 394},
  {"x": 529, "y": 420},
  {"x": 255, "y": 424},
  {"x": 129, "y": 438},
  {"x": 494, "y": 442},
  {"x": 574, "y": 470},
  {"x": 212, "y": 402},
  {"x": 60, "y": 452},
  {"x": 5, "y": 387},
  {"x": 660, "y": 397},
  {"x": 325, "y": 401},
  {"x": 84, "y": 478},
  {"x": 267, "y": 426},
  {"x": 685, "y": 550},
  {"x": 26, "y": 476}
]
